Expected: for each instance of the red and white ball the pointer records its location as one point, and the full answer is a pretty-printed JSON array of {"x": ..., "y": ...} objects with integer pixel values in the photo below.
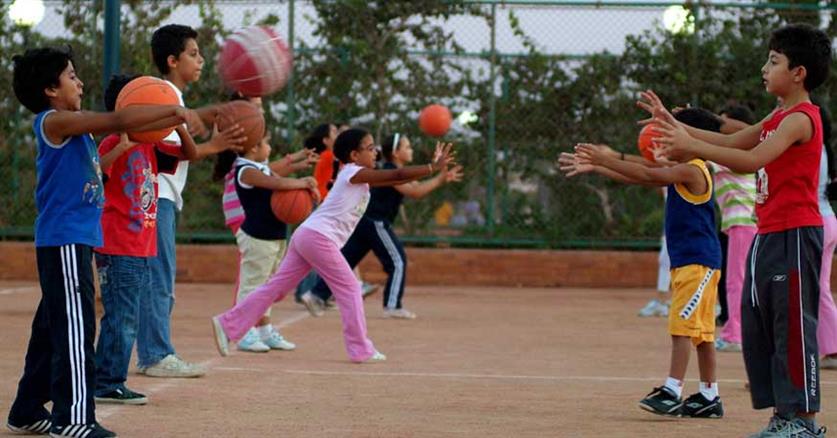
[{"x": 255, "y": 61}]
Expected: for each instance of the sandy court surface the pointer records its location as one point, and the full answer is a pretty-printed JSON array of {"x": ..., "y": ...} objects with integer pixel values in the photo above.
[{"x": 478, "y": 362}]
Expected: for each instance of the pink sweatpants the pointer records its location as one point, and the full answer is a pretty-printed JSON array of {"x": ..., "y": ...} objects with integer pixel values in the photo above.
[
  {"x": 827, "y": 325},
  {"x": 738, "y": 245},
  {"x": 308, "y": 249}
]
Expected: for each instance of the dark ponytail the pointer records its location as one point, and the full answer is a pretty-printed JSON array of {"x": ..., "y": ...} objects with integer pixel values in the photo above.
[
  {"x": 223, "y": 164},
  {"x": 316, "y": 137}
]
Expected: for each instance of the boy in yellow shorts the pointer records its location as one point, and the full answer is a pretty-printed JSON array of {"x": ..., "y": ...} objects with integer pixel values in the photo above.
[{"x": 695, "y": 261}]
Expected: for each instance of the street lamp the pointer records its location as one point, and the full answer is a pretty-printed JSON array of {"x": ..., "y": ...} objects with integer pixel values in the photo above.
[
  {"x": 27, "y": 13},
  {"x": 677, "y": 19}
]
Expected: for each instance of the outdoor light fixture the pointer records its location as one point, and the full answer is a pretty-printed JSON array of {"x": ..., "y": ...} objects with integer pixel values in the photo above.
[
  {"x": 27, "y": 13},
  {"x": 677, "y": 19}
]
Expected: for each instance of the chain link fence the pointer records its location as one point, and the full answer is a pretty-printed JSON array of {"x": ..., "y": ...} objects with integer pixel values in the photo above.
[{"x": 524, "y": 80}]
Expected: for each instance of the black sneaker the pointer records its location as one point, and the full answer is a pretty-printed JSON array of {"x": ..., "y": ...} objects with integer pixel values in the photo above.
[
  {"x": 697, "y": 406},
  {"x": 39, "y": 427},
  {"x": 661, "y": 401},
  {"x": 122, "y": 396},
  {"x": 94, "y": 430}
]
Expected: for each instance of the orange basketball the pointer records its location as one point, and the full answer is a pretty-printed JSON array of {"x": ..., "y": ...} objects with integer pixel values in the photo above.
[
  {"x": 248, "y": 116},
  {"x": 434, "y": 120},
  {"x": 645, "y": 141},
  {"x": 291, "y": 206},
  {"x": 147, "y": 90}
]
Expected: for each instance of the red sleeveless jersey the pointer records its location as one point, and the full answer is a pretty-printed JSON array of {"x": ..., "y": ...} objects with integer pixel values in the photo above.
[{"x": 786, "y": 188}]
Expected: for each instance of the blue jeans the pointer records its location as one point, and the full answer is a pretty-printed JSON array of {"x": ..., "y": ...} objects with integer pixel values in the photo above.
[
  {"x": 121, "y": 278},
  {"x": 157, "y": 301}
]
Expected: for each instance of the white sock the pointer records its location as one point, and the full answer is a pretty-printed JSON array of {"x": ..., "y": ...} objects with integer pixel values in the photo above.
[
  {"x": 709, "y": 390},
  {"x": 676, "y": 386},
  {"x": 264, "y": 330}
]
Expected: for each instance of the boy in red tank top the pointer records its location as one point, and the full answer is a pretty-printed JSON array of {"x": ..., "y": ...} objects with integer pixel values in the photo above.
[{"x": 780, "y": 297}]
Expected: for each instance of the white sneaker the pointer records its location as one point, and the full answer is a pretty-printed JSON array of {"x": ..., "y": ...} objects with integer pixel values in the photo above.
[
  {"x": 375, "y": 358},
  {"x": 275, "y": 341},
  {"x": 252, "y": 343},
  {"x": 829, "y": 363},
  {"x": 173, "y": 366},
  {"x": 654, "y": 308},
  {"x": 367, "y": 289},
  {"x": 727, "y": 347},
  {"x": 313, "y": 303},
  {"x": 399, "y": 314},
  {"x": 221, "y": 339}
]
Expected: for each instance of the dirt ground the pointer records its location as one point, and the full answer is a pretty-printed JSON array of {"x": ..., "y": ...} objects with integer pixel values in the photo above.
[{"x": 478, "y": 362}]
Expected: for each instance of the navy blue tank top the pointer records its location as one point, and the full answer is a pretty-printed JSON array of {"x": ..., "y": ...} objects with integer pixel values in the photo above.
[{"x": 259, "y": 221}]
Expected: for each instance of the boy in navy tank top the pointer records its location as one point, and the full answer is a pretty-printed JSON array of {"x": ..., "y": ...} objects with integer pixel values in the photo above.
[
  {"x": 695, "y": 255},
  {"x": 59, "y": 363},
  {"x": 780, "y": 300}
]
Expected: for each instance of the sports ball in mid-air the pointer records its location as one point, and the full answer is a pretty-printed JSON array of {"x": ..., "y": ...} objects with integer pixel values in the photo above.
[
  {"x": 434, "y": 120},
  {"x": 255, "y": 61}
]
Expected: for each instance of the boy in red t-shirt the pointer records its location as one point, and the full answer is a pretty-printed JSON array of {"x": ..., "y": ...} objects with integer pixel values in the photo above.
[
  {"x": 129, "y": 228},
  {"x": 780, "y": 299}
]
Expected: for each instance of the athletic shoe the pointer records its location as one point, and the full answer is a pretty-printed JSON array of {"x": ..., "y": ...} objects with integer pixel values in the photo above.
[
  {"x": 222, "y": 342},
  {"x": 828, "y": 363},
  {"x": 661, "y": 401},
  {"x": 375, "y": 358},
  {"x": 173, "y": 366},
  {"x": 39, "y": 427},
  {"x": 781, "y": 428},
  {"x": 122, "y": 396},
  {"x": 399, "y": 314},
  {"x": 276, "y": 341},
  {"x": 727, "y": 347},
  {"x": 654, "y": 308},
  {"x": 94, "y": 430},
  {"x": 313, "y": 303},
  {"x": 251, "y": 342},
  {"x": 367, "y": 289},
  {"x": 697, "y": 406}
]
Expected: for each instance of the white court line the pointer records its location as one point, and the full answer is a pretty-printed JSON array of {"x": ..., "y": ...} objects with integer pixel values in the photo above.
[
  {"x": 479, "y": 376},
  {"x": 106, "y": 410},
  {"x": 17, "y": 290}
]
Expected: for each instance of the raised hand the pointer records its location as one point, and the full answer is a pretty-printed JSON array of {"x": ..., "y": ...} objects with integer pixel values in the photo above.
[
  {"x": 231, "y": 138},
  {"x": 443, "y": 157},
  {"x": 649, "y": 101},
  {"x": 453, "y": 174},
  {"x": 571, "y": 165},
  {"x": 311, "y": 157},
  {"x": 588, "y": 153},
  {"x": 674, "y": 141}
]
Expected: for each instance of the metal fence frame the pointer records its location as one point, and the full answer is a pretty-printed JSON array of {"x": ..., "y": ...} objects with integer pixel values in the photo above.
[{"x": 111, "y": 64}]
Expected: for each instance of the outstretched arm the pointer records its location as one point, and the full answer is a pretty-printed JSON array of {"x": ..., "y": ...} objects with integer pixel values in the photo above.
[
  {"x": 746, "y": 138},
  {"x": 795, "y": 128},
  {"x": 443, "y": 158},
  {"x": 62, "y": 124}
]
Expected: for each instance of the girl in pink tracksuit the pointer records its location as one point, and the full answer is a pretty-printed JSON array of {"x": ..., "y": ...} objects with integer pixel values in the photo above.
[{"x": 316, "y": 245}]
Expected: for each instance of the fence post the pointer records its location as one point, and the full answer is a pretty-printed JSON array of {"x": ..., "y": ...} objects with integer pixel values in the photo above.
[
  {"x": 492, "y": 125},
  {"x": 290, "y": 95},
  {"x": 112, "y": 40}
]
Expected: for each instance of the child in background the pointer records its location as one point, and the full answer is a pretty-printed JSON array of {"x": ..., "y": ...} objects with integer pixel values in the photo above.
[
  {"x": 827, "y": 327},
  {"x": 779, "y": 314},
  {"x": 261, "y": 237},
  {"x": 316, "y": 245},
  {"x": 736, "y": 197},
  {"x": 129, "y": 227},
  {"x": 69, "y": 197},
  {"x": 175, "y": 52},
  {"x": 375, "y": 233},
  {"x": 695, "y": 260}
]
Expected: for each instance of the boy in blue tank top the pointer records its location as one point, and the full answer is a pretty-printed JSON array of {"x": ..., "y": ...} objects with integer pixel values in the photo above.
[
  {"x": 59, "y": 363},
  {"x": 695, "y": 255}
]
